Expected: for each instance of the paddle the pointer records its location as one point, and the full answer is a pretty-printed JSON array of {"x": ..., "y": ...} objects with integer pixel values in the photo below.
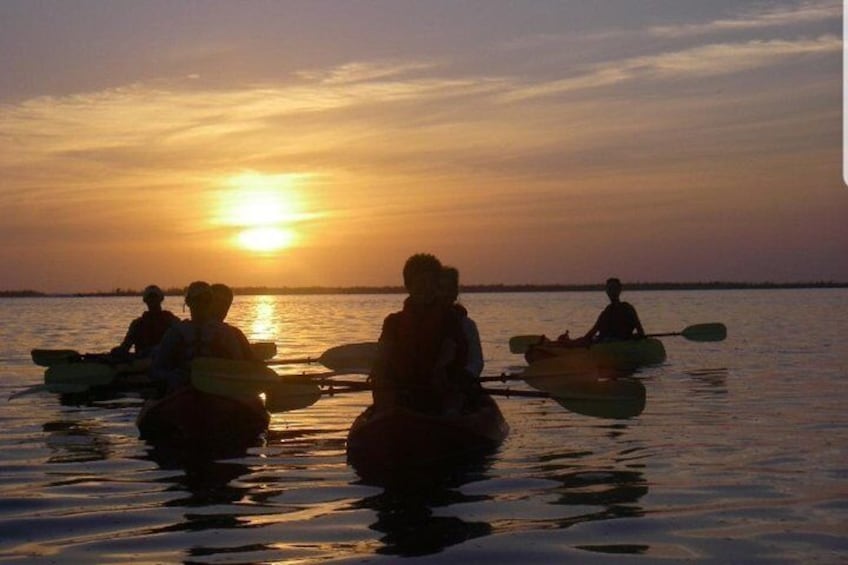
[
  {"x": 363, "y": 386},
  {"x": 48, "y": 357},
  {"x": 351, "y": 357},
  {"x": 714, "y": 331},
  {"x": 232, "y": 378},
  {"x": 263, "y": 349}
]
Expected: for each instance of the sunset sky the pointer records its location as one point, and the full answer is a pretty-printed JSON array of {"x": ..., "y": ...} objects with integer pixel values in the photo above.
[{"x": 299, "y": 143}]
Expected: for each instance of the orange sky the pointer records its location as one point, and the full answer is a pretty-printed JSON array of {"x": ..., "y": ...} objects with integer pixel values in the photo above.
[{"x": 544, "y": 142}]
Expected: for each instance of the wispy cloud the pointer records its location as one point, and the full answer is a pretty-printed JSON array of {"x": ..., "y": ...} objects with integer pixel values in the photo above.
[
  {"x": 365, "y": 71},
  {"x": 696, "y": 62},
  {"x": 766, "y": 17}
]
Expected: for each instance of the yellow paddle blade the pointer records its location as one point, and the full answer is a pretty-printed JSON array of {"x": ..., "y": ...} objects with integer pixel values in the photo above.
[
  {"x": 263, "y": 349},
  {"x": 48, "y": 357},
  {"x": 521, "y": 343},
  {"x": 227, "y": 377},
  {"x": 83, "y": 374},
  {"x": 350, "y": 358}
]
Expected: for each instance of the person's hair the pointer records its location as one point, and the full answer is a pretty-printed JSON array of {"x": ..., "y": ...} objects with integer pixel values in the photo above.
[
  {"x": 152, "y": 292},
  {"x": 420, "y": 263},
  {"x": 613, "y": 280},
  {"x": 222, "y": 292},
  {"x": 198, "y": 293}
]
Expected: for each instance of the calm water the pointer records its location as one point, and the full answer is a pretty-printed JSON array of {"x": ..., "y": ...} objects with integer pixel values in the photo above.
[{"x": 739, "y": 454}]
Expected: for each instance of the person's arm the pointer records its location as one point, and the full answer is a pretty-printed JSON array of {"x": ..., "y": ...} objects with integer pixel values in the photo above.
[
  {"x": 636, "y": 322},
  {"x": 244, "y": 345},
  {"x": 594, "y": 330},
  {"x": 165, "y": 364},
  {"x": 378, "y": 377},
  {"x": 475, "y": 349},
  {"x": 129, "y": 339}
]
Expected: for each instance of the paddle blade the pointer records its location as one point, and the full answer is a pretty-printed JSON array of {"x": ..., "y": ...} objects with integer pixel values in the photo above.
[
  {"x": 238, "y": 379},
  {"x": 263, "y": 349},
  {"x": 30, "y": 390},
  {"x": 48, "y": 357},
  {"x": 617, "y": 400},
  {"x": 519, "y": 344},
  {"x": 86, "y": 375},
  {"x": 705, "y": 332},
  {"x": 350, "y": 358}
]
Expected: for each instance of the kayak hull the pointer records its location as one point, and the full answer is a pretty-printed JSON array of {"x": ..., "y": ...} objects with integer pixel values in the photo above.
[
  {"x": 188, "y": 415},
  {"x": 625, "y": 355},
  {"x": 399, "y": 439}
]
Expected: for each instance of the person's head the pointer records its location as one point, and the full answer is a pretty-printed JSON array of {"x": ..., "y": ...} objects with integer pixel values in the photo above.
[
  {"x": 449, "y": 284},
  {"x": 153, "y": 296},
  {"x": 421, "y": 274},
  {"x": 222, "y": 299},
  {"x": 613, "y": 288},
  {"x": 198, "y": 298}
]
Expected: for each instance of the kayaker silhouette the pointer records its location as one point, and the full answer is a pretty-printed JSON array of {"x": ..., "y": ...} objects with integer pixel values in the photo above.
[
  {"x": 184, "y": 413},
  {"x": 145, "y": 332},
  {"x": 422, "y": 348},
  {"x": 201, "y": 335},
  {"x": 618, "y": 321}
]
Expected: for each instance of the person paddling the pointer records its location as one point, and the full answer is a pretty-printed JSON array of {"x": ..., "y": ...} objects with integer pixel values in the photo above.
[
  {"x": 145, "y": 332},
  {"x": 618, "y": 321},
  {"x": 201, "y": 335},
  {"x": 422, "y": 347}
]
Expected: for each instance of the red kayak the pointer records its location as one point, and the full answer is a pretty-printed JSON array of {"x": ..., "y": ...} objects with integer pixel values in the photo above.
[
  {"x": 399, "y": 438},
  {"x": 189, "y": 415}
]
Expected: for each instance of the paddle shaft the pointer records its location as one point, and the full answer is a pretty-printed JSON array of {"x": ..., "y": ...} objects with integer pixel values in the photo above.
[{"x": 350, "y": 386}]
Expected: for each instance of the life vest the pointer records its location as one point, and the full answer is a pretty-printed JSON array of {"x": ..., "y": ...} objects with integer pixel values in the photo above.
[
  {"x": 212, "y": 339},
  {"x": 150, "y": 328},
  {"x": 617, "y": 321},
  {"x": 421, "y": 341}
]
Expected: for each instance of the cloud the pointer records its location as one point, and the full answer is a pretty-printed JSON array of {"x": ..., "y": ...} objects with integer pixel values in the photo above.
[
  {"x": 364, "y": 71},
  {"x": 767, "y": 17},
  {"x": 695, "y": 62}
]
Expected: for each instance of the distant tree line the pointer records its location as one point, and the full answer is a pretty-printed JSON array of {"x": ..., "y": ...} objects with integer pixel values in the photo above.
[{"x": 472, "y": 288}]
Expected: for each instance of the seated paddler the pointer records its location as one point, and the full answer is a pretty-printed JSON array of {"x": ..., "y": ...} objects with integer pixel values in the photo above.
[
  {"x": 145, "y": 332},
  {"x": 202, "y": 335},
  {"x": 422, "y": 348},
  {"x": 618, "y": 321}
]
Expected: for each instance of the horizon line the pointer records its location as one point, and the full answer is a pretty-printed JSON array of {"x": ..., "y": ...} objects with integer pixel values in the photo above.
[{"x": 467, "y": 289}]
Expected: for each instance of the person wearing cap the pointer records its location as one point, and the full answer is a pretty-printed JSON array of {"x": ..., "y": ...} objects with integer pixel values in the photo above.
[
  {"x": 146, "y": 331},
  {"x": 203, "y": 335}
]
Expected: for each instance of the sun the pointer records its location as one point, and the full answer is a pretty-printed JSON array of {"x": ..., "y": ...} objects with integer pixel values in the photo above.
[
  {"x": 261, "y": 209},
  {"x": 266, "y": 239}
]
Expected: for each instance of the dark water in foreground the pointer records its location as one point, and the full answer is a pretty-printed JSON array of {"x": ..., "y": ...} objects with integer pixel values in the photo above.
[{"x": 739, "y": 454}]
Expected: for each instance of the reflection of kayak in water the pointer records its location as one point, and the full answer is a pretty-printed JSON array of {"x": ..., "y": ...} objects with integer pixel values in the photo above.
[
  {"x": 400, "y": 438},
  {"x": 621, "y": 355},
  {"x": 189, "y": 415},
  {"x": 592, "y": 391}
]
